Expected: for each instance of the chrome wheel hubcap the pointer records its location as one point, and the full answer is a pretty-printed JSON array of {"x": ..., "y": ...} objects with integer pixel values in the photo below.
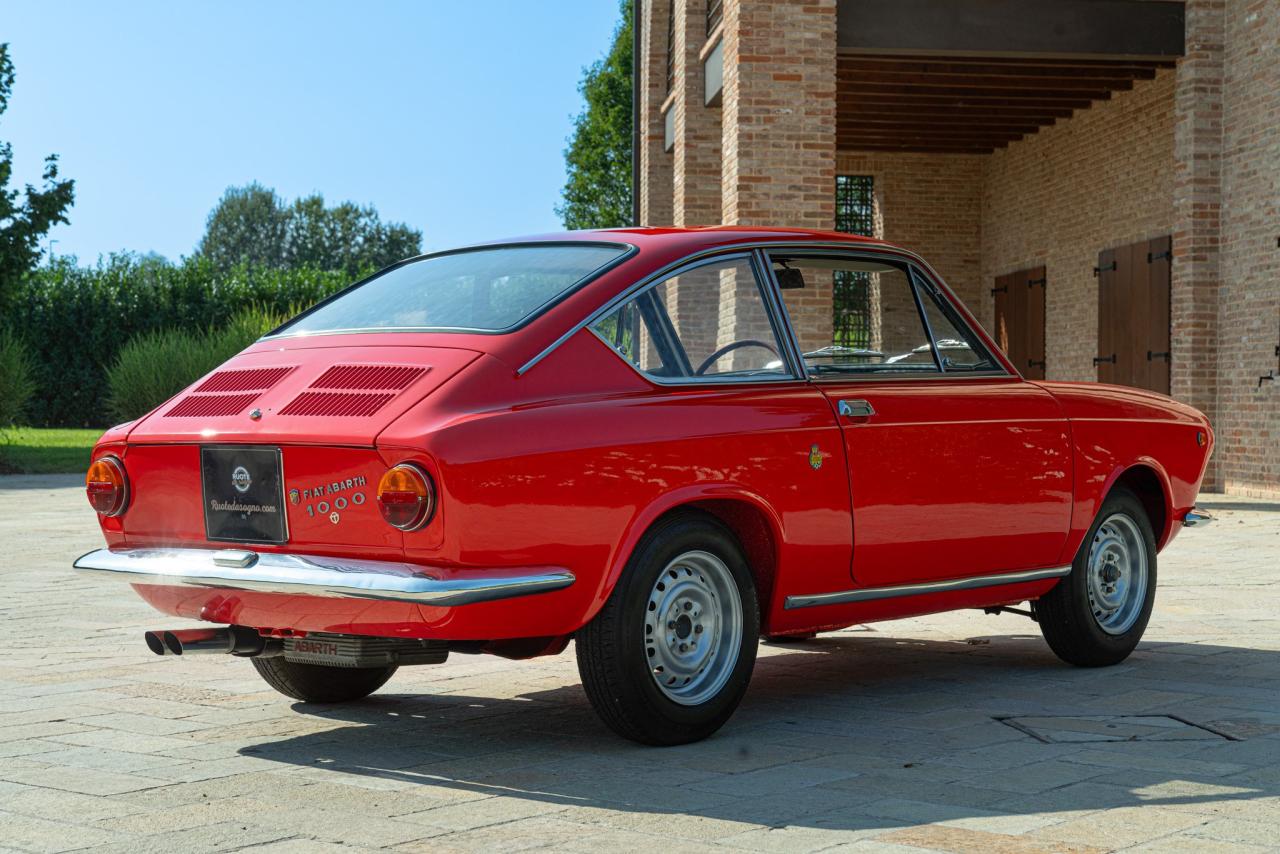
[
  {"x": 1118, "y": 571},
  {"x": 693, "y": 628}
]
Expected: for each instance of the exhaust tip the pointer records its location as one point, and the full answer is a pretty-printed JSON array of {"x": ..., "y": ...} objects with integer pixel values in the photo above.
[
  {"x": 172, "y": 643},
  {"x": 155, "y": 643}
]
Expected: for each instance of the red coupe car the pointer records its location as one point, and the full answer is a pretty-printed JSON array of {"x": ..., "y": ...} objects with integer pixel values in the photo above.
[{"x": 644, "y": 440}]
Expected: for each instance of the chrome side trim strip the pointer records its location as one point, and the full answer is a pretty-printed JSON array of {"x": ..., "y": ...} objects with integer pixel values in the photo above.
[
  {"x": 868, "y": 594},
  {"x": 311, "y": 575},
  {"x": 1196, "y": 518}
]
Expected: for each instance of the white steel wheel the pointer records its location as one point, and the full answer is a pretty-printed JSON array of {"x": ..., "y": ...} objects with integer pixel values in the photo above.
[
  {"x": 668, "y": 657},
  {"x": 1117, "y": 575},
  {"x": 693, "y": 628},
  {"x": 1096, "y": 615}
]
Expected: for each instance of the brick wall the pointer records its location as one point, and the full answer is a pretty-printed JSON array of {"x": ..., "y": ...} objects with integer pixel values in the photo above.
[
  {"x": 1248, "y": 420},
  {"x": 779, "y": 113},
  {"x": 1058, "y": 197}
]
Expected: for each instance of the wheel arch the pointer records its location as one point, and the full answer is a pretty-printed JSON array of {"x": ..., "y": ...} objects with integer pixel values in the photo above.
[
  {"x": 1148, "y": 481},
  {"x": 748, "y": 516}
]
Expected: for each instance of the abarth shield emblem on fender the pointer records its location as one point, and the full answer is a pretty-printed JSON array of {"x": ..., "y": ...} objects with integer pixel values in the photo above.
[
  {"x": 815, "y": 457},
  {"x": 294, "y": 496},
  {"x": 240, "y": 479}
]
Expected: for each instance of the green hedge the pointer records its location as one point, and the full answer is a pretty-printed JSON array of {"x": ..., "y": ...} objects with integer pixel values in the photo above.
[{"x": 75, "y": 320}]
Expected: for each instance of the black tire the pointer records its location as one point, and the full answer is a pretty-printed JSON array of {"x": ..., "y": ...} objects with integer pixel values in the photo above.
[
  {"x": 612, "y": 649},
  {"x": 1065, "y": 613},
  {"x": 315, "y": 683}
]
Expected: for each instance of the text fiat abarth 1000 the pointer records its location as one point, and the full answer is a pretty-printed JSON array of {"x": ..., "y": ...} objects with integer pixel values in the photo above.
[{"x": 658, "y": 443}]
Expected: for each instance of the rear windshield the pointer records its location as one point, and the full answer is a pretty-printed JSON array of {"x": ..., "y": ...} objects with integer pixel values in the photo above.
[{"x": 486, "y": 290}]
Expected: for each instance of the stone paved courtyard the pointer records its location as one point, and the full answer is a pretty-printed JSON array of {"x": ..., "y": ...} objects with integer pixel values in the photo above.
[{"x": 957, "y": 733}]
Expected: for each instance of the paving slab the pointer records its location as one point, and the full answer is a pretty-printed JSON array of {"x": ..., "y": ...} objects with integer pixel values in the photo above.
[{"x": 889, "y": 738}]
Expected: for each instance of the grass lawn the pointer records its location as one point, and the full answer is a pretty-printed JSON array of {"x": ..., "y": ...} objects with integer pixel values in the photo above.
[{"x": 45, "y": 450}]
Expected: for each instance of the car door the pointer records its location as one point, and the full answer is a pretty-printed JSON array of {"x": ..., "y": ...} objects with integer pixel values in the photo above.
[{"x": 957, "y": 467}]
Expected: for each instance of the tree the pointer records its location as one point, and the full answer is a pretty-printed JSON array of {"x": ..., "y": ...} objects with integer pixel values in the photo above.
[
  {"x": 247, "y": 226},
  {"x": 598, "y": 192},
  {"x": 23, "y": 223},
  {"x": 253, "y": 225}
]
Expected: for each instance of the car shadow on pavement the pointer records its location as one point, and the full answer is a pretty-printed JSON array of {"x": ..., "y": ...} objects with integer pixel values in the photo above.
[{"x": 848, "y": 732}]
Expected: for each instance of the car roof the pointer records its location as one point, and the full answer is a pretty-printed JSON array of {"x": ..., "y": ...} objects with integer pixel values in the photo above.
[{"x": 696, "y": 239}]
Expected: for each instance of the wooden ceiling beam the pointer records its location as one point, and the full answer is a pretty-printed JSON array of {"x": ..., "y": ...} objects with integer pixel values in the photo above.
[
  {"x": 1016, "y": 131},
  {"x": 908, "y": 89},
  {"x": 1005, "y": 68},
  {"x": 1030, "y": 112},
  {"x": 984, "y": 81},
  {"x": 853, "y": 138},
  {"x": 941, "y": 148}
]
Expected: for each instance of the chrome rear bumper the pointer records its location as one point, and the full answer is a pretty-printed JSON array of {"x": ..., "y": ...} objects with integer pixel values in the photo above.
[
  {"x": 311, "y": 575},
  {"x": 1196, "y": 518}
]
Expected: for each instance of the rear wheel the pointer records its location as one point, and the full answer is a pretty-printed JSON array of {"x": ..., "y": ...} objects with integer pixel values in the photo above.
[
  {"x": 1097, "y": 614},
  {"x": 316, "y": 683},
  {"x": 668, "y": 658}
]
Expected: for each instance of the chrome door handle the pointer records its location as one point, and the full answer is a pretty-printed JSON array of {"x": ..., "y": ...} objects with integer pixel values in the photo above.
[{"x": 856, "y": 409}]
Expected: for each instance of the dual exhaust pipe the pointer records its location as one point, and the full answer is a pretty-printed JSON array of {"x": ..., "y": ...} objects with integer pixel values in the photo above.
[{"x": 229, "y": 640}]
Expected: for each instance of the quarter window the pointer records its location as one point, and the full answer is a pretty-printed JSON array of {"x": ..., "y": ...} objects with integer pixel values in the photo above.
[{"x": 707, "y": 323}]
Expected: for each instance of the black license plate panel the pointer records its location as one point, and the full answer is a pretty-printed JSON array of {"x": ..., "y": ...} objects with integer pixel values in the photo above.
[{"x": 243, "y": 491}]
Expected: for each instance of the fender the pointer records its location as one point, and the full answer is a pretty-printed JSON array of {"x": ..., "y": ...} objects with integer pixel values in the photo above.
[
  {"x": 665, "y": 503},
  {"x": 1086, "y": 507}
]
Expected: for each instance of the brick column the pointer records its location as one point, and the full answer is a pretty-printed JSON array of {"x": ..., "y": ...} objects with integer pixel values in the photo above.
[
  {"x": 779, "y": 113},
  {"x": 655, "y": 164},
  {"x": 1197, "y": 213},
  {"x": 696, "y": 163}
]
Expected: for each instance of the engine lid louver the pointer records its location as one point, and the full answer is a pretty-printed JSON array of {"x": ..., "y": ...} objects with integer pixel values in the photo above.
[
  {"x": 354, "y": 391},
  {"x": 369, "y": 377},
  {"x": 248, "y": 379},
  {"x": 340, "y": 404},
  {"x": 227, "y": 393},
  {"x": 211, "y": 405}
]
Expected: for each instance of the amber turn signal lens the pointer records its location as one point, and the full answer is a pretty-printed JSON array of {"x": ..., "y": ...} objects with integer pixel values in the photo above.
[
  {"x": 107, "y": 486},
  {"x": 406, "y": 497}
]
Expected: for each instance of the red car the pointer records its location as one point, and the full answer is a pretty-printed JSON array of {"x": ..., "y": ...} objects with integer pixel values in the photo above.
[{"x": 644, "y": 440}]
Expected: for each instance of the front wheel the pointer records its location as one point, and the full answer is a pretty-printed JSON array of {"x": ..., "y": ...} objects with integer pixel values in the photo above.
[
  {"x": 1097, "y": 614},
  {"x": 316, "y": 683},
  {"x": 669, "y": 656}
]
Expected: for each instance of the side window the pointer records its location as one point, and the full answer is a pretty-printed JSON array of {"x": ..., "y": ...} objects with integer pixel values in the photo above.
[
  {"x": 707, "y": 322},
  {"x": 890, "y": 336},
  {"x": 958, "y": 347}
]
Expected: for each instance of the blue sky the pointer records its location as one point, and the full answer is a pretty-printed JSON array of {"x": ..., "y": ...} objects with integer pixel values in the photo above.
[{"x": 450, "y": 116}]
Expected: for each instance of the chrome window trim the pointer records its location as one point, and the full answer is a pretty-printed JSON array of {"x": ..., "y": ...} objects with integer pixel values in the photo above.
[
  {"x": 761, "y": 284},
  {"x": 869, "y": 594},
  {"x": 869, "y": 248},
  {"x": 915, "y": 267},
  {"x": 629, "y": 251}
]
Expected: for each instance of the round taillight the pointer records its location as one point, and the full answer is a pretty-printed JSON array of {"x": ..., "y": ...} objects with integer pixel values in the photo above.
[
  {"x": 406, "y": 497},
  {"x": 107, "y": 486}
]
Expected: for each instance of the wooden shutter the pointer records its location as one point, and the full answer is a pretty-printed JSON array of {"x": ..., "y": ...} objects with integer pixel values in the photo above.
[
  {"x": 1033, "y": 286},
  {"x": 1019, "y": 313},
  {"x": 1108, "y": 314},
  {"x": 1159, "y": 354},
  {"x": 1133, "y": 315}
]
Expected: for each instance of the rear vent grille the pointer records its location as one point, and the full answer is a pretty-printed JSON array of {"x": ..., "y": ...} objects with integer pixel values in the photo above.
[
  {"x": 369, "y": 377},
  {"x": 249, "y": 379},
  {"x": 211, "y": 405},
  {"x": 337, "y": 403},
  {"x": 354, "y": 391}
]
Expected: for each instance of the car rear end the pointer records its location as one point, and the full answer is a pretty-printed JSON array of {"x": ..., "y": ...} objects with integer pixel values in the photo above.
[{"x": 261, "y": 497}]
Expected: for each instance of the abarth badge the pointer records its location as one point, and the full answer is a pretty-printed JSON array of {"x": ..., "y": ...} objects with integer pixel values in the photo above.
[
  {"x": 815, "y": 457},
  {"x": 240, "y": 479},
  {"x": 294, "y": 496}
]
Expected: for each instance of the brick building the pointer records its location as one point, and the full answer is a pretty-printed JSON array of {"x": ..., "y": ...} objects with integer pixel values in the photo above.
[{"x": 1098, "y": 179}]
